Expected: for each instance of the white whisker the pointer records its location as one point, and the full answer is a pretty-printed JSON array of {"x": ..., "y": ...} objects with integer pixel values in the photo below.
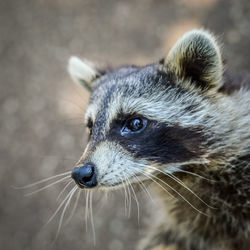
[
  {"x": 60, "y": 194},
  {"x": 92, "y": 217},
  {"x": 75, "y": 206},
  {"x": 173, "y": 189},
  {"x": 194, "y": 174},
  {"x": 180, "y": 182},
  {"x": 63, "y": 212},
  {"x": 135, "y": 198},
  {"x": 129, "y": 196},
  {"x": 142, "y": 185},
  {"x": 42, "y": 181},
  {"x": 125, "y": 195},
  {"x": 51, "y": 184},
  {"x": 59, "y": 207},
  {"x": 190, "y": 190},
  {"x": 147, "y": 175},
  {"x": 87, "y": 209}
]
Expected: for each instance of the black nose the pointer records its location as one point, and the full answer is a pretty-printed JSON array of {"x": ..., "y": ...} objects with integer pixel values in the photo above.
[{"x": 85, "y": 176}]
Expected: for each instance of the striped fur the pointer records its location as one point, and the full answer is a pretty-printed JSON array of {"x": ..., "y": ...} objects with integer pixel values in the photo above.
[{"x": 197, "y": 131}]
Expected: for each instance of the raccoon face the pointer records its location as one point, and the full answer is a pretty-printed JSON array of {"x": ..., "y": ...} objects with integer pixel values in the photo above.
[{"x": 145, "y": 120}]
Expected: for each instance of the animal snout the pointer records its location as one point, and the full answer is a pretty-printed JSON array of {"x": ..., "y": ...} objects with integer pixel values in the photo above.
[{"x": 85, "y": 176}]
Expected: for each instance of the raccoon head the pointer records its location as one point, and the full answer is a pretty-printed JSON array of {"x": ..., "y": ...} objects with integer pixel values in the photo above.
[{"x": 143, "y": 120}]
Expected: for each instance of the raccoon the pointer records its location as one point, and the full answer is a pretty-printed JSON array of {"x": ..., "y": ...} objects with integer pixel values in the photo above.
[{"x": 181, "y": 125}]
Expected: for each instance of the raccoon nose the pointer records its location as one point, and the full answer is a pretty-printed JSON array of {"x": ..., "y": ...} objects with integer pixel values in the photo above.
[{"x": 85, "y": 176}]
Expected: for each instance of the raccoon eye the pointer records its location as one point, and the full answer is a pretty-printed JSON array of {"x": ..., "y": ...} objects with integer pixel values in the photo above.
[{"x": 134, "y": 125}]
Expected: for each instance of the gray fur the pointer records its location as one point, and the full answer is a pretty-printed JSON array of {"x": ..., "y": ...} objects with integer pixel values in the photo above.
[{"x": 216, "y": 214}]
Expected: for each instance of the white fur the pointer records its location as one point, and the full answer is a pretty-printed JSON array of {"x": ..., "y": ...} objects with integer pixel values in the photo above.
[{"x": 81, "y": 71}]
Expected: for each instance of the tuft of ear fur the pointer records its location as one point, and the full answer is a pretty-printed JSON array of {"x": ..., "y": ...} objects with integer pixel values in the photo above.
[
  {"x": 82, "y": 72},
  {"x": 196, "y": 57}
]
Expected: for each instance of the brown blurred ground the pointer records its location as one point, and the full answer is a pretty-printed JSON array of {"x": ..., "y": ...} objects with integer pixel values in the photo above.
[{"x": 41, "y": 111}]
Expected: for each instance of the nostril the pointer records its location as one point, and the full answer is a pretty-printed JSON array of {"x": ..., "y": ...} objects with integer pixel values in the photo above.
[
  {"x": 85, "y": 179},
  {"x": 86, "y": 174}
]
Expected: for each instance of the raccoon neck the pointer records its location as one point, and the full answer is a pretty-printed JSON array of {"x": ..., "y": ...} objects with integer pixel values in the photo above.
[{"x": 222, "y": 211}]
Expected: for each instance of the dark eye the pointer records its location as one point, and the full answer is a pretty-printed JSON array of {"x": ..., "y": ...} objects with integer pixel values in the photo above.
[{"x": 134, "y": 125}]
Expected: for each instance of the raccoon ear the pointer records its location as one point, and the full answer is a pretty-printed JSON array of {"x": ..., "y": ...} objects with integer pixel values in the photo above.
[
  {"x": 196, "y": 57},
  {"x": 82, "y": 72}
]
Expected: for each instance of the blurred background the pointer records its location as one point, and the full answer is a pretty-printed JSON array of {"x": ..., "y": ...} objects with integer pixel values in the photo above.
[{"x": 41, "y": 110}]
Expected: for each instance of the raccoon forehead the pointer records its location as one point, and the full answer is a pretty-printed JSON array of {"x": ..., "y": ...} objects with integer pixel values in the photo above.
[
  {"x": 164, "y": 106},
  {"x": 131, "y": 82}
]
